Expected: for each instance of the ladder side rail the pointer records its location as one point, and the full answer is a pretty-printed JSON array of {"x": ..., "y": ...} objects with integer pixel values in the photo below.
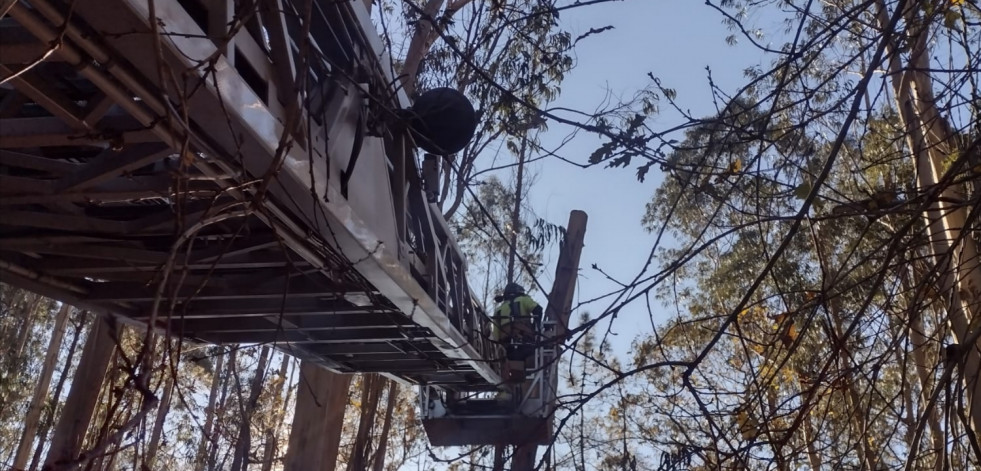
[
  {"x": 443, "y": 234},
  {"x": 459, "y": 300},
  {"x": 452, "y": 282},
  {"x": 448, "y": 280}
]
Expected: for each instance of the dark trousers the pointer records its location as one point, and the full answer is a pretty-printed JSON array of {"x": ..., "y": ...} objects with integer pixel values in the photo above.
[{"x": 518, "y": 338}]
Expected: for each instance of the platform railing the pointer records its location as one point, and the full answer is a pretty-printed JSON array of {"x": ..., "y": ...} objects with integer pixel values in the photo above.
[{"x": 509, "y": 414}]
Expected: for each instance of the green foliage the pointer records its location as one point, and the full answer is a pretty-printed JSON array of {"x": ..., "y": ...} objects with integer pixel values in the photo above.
[
  {"x": 487, "y": 249},
  {"x": 798, "y": 265}
]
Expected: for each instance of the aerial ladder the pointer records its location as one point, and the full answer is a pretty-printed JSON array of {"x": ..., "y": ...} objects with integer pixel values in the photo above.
[{"x": 248, "y": 172}]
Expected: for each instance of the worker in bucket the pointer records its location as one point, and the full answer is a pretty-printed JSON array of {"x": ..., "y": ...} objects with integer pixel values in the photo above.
[{"x": 515, "y": 328}]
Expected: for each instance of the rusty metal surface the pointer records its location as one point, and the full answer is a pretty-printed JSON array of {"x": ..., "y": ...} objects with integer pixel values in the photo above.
[{"x": 136, "y": 178}]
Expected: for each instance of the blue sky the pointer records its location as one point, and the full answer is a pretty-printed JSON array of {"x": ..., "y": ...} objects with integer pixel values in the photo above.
[{"x": 674, "y": 40}]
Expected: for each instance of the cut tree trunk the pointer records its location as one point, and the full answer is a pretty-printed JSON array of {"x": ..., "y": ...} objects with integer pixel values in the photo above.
[
  {"x": 812, "y": 454},
  {"x": 321, "y": 398},
  {"x": 33, "y": 418},
  {"x": 268, "y": 451},
  {"x": 524, "y": 458},
  {"x": 107, "y": 461},
  {"x": 109, "y": 407},
  {"x": 66, "y": 444}
]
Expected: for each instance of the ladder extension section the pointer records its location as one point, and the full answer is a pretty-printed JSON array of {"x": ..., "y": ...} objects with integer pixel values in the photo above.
[{"x": 144, "y": 173}]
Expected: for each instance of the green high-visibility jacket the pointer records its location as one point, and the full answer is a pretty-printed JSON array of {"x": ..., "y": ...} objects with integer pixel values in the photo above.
[{"x": 523, "y": 304}]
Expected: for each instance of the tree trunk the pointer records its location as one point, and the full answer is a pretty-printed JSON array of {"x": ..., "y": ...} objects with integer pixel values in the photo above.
[
  {"x": 524, "y": 458},
  {"x": 272, "y": 433},
  {"x": 240, "y": 461},
  {"x": 25, "y": 327},
  {"x": 370, "y": 390},
  {"x": 230, "y": 373},
  {"x": 499, "y": 457},
  {"x": 107, "y": 461},
  {"x": 779, "y": 460},
  {"x": 11, "y": 304},
  {"x": 33, "y": 417},
  {"x": 158, "y": 423},
  {"x": 108, "y": 405},
  {"x": 955, "y": 251},
  {"x": 422, "y": 41},
  {"x": 918, "y": 340},
  {"x": 209, "y": 415},
  {"x": 42, "y": 434},
  {"x": 812, "y": 455},
  {"x": 423, "y": 38},
  {"x": 13, "y": 351},
  {"x": 931, "y": 141},
  {"x": 268, "y": 452},
  {"x": 321, "y": 398},
  {"x": 393, "y": 393},
  {"x": 66, "y": 444}
]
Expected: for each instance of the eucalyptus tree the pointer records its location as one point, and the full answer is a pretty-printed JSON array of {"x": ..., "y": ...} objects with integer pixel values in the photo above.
[
  {"x": 823, "y": 256},
  {"x": 596, "y": 425},
  {"x": 809, "y": 371},
  {"x": 504, "y": 56}
]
